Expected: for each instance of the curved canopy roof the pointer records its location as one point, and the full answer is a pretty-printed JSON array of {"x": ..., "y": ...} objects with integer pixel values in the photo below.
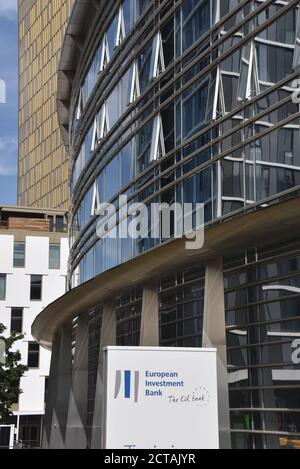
[{"x": 260, "y": 226}]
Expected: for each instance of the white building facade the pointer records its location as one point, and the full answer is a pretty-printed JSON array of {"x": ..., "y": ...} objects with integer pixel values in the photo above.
[{"x": 33, "y": 272}]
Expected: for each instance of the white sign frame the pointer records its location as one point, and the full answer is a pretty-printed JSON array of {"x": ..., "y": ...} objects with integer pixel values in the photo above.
[{"x": 189, "y": 407}]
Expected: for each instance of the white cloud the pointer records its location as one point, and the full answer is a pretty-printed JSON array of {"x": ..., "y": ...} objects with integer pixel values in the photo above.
[
  {"x": 8, "y": 9},
  {"x": 8, "y": 156}
]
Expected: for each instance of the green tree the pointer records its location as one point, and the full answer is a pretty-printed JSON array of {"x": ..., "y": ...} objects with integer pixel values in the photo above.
[{"x": 11, "y": 371}]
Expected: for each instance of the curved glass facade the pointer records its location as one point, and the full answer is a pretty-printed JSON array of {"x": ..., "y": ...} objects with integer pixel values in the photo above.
[
  {"x": 183, "y": 103},
  {"x": 188, "y": 102}
]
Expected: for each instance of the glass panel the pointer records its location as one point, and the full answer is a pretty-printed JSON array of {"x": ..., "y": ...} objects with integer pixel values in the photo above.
[
  {"x": 112, "y": 178},
  {"x": 36, "y": 287},
  {"x": 113, "y": 106},
  {"x": 16, "y": 321},
  {"x": 2, "y": 287},
  {"x": 296, "y": 61},
  {"x": 274, "y": 62},
  {"x": 141, "y": 6},
  {"x": 33, "y": 355},
  {"x": 112, "y": 36},
  {"x": 54, "y": 256},
  {"x": 233, "y": 179},
  {"x": 129, "y": 14},
  {"x": 19, "y": 255},
  {"x": 143, "y": 142},
  {"x": 126, "y": 157},
  {"x": 89, "y": 265},
  {"x": 195, "y": 21},
  {"x": 111, "y": 248},
  {"x": 194, "y": 104},
  {"x": 144, "y": 66}
]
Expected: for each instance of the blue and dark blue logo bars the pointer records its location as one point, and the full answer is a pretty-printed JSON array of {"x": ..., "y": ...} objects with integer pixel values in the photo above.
[{"x": 131, "y": 383}]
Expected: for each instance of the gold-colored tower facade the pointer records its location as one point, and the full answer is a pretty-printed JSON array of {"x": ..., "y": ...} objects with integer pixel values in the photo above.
[{"x": 43, "y": 162}]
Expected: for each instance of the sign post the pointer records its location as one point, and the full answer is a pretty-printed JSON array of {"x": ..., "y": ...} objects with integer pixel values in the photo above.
[{"x": 160, "y": 398}]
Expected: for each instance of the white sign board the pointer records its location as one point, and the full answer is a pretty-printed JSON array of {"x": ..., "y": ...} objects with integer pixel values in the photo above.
[{"x": 160, "y": 398}]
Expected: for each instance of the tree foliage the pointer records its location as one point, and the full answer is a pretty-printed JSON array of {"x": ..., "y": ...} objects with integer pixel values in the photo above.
[{"x": 11, "y": 371}]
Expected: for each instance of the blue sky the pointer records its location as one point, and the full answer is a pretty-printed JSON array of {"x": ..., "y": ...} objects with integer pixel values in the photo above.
[{"x": 9, "y": 111}]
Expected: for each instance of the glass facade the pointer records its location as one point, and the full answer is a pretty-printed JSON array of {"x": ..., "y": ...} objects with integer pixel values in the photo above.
[
  {"x": 202, "y": 113},
  {"x": 43, "y": 165}
]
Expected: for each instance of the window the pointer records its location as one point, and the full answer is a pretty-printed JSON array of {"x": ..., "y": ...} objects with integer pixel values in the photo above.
[
  {"x": 79, "y": 106},
  {"x": 143, "y": 146},
  {"x": 30, "y": 431},
  {"x": 19, "y": 255},
  {"x": 16, "y": 325},
  {"x": 158, "y": 142},
  {"x": 113, "y": 106},
  {"x": 54, "y": 256},
  {"x": 111, "y": 36},
  {"x": 95, "y": 200},
  {"x": 36, "y": 287},
  {"x": 194, "y": 105},
  {"x": 103, "y": 123},
  {"x": 144, "y": 66},
  {"x": 2, "y": 287},
  {"x": 121, "y": 27},
  {"x": 141, "y": 6},
  {"x": 129, "y": 14},
  {"x": 134, "y": 89},
  {"x": 249, "y": 81},
  {"x": 157, "y": 65},
  {"x": 33, "y": 355}
]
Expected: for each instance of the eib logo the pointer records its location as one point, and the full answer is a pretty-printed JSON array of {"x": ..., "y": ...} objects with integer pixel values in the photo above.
[{"x": 127, "y": 385}]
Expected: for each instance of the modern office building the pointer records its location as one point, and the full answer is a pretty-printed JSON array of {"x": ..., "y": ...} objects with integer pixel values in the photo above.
[
  {"x": 33, "y": 272},
  {"x": 43, "y": 163},
  {"x": 195, "y": 102}
]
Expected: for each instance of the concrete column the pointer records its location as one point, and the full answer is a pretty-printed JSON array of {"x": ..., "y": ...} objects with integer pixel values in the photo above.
[
  {"x": 214, "y": 336},
  {"x": 150, "y": 317},
  {"x": 108, "y": 338},
  {"x": 76, "y": 434},
  {"x": 59, "y": 400},
  {"x": 52, "y": 391}
]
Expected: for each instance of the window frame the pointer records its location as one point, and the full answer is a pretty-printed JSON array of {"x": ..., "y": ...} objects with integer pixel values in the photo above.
[{"x": 31, "y": 286}]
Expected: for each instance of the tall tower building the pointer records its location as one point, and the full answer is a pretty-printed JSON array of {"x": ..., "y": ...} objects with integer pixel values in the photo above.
[{"x": 43, "y": 166}]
